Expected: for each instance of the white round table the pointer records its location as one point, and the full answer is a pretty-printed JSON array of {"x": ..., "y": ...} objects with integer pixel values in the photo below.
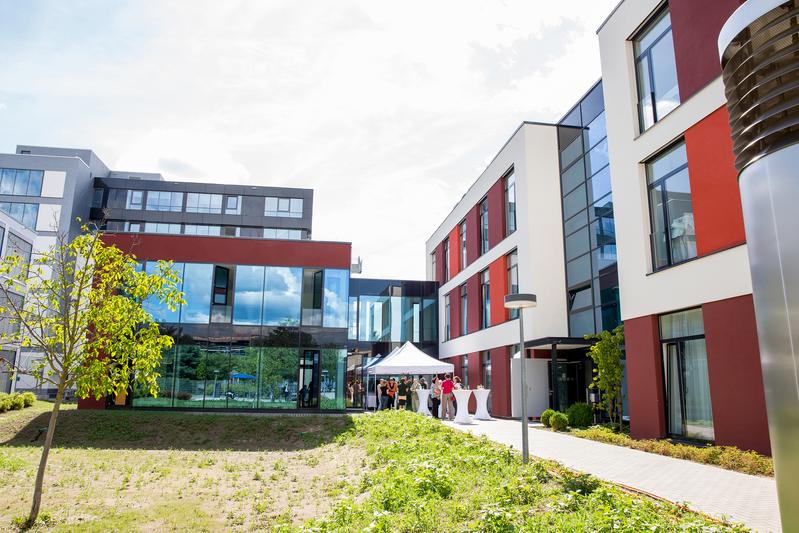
[
  {"x": 423, "y": 395},
  {"x": 481, "y": 395},
  {"x": 462, "y": 397}
]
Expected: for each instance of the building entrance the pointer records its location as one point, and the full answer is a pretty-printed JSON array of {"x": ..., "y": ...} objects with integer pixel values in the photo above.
[{"x": 308, "y": 395}]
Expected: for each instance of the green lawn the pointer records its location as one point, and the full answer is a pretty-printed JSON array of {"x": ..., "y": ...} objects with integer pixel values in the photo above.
[{"x": 392, "y": 471}]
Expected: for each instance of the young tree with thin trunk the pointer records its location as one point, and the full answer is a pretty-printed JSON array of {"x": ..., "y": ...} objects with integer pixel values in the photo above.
[
  {"x": 607, "y": 356},
  {"x": 78, "y": 308}
]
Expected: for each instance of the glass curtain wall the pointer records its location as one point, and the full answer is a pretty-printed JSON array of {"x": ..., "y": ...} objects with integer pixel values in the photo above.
[{"x": 588, "y": 222}]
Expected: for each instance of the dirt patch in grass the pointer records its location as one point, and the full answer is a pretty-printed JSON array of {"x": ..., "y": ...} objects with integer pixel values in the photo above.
[{"x": 127, "y": 471}]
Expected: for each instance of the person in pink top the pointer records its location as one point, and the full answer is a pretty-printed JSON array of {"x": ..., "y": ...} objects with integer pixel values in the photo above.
[{"x": 447, "y": 406}]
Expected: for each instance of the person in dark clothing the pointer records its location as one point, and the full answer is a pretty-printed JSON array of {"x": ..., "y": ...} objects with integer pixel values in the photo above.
[{"x": 436, "y": 396}]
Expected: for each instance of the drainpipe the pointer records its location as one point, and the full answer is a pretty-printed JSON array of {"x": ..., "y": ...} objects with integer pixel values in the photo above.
[{"x": 760, "y": 68}]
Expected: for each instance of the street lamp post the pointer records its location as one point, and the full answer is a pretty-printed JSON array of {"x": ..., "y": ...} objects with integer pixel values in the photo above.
[{"x": 520, "y": 302}]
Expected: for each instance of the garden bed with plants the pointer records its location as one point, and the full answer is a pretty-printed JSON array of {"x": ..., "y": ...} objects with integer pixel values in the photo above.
[
  {"x": 16, "y": 401},
  {"x": 579, "y": 416}
]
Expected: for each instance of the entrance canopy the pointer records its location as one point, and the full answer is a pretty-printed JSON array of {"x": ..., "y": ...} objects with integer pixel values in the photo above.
[{"x": 408, "y": 359}]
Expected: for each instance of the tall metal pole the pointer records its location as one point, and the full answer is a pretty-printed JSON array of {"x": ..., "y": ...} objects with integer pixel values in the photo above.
[{"x": 523, "y": 381}]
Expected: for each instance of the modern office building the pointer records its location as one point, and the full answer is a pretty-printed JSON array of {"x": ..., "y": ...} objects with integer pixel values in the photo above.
[{"x": 693, "y": 363}]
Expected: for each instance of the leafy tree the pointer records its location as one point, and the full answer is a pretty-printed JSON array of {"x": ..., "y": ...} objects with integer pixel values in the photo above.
[
  {"x": 607, "y": 356},
  {"x": 82, "y": 312}
]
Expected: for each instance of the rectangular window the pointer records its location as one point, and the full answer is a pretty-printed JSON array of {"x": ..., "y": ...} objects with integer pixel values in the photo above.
[
  {"x": 20, "y": 182},
  {"x": 689, "y": 412},
  {"x": 484, "y": 226},
  {"x": 336, "y": 296},
  {"x": 485, "y": 360},
  {"x": 20, "y": 247},
  {"x": 434, "y": 264},
  {"x": 464, "y": 257},
  {"x": 161, "y": 227},
  {"x": 464, "y": 310},
  {"x": 446, "y": 260},
  {"x": 283, "y": 207},
  {"x": 672, "y": 214},
  {"x": 312, "y": 297},
  {"x": 24, "y": 213},
  {"x": 283, "y": 233},
  {"x": 510, "y": 203},
  {"x": 135, "y": 200},
  {"x": 282, "y": 292},
  {"x": 512, "y": 262},
  {"x": 202, "y": 229},
  {"x": 164, "y": 201},
  {"x": 656, "y": 71},
  {"x": 447, "y": 317},
  {"x": 97, "y": 198},
  {"x": 465, "y": 371},
  {"x": 197, "y": 290},
  {"x": 485, "y": 300},
  {"x": 221, "y": 308},
  {"x": 233, "y": 205},
  {"x": 204, "y": 203}
]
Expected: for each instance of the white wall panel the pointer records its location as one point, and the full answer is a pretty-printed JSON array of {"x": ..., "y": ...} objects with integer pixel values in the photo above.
[
  {"x": 53, "y": 183},
  {"x": 49, "y": 215}
]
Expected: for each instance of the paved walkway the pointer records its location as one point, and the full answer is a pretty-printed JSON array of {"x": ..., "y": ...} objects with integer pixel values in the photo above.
[{"x": 751, "y": 500}]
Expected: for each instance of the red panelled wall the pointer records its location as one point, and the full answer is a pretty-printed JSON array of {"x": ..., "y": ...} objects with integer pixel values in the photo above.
[
  {"x": 454, "y": 252},
  {"x": 455, "y": 313},
  {"x": 439, "y": 273},
  {"x": 500, "y": 382},
  {"x": 498, "y": 280},
  {"x": 496, "y": 213},
  {"x": 736, "y": 381},
  {"x": 695, "y": 26},
  {"x": 715, "y": 195},
  {"x": 644, "y": 378}
]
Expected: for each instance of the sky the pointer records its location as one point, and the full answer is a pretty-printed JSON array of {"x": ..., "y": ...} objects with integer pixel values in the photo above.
[{"x": 388, "y": 110}]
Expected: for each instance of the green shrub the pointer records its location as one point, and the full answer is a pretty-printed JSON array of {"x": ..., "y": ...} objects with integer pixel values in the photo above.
[
  {"x": 559, "y": 421},
  {"x": 580, "y": 415},
  {"x": 580, "y": 482},
  {"x": 28, "y": 398},
  {"x": 5, "y": 403},
  {"x": 545, "y": 416},
  {"x": 17, "y": 401}
]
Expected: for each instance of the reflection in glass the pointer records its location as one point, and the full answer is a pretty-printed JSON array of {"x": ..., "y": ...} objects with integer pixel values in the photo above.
[
  {"x": 282, "y": 296},
  {"x": 312, "y": 297},
  {"x": 332, "y": 387},
  {"x": 429, "y": 321},
  {"x": 215, "y": 369},
  {"x": 336, "y": 297},
  {"x": 242, "y": 389},
  {"x": 159, "y": 310},
  {"x": 278, "y": 378},
  {"x": 197, "y": 293},
  {"x": 166, "y": 383},
  {"x": 248, "y": 295},
  {"x": 190, "y": 376}
]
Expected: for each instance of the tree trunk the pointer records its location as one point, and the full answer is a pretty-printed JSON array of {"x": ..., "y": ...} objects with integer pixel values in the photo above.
[{"x": 48, "y": 441}]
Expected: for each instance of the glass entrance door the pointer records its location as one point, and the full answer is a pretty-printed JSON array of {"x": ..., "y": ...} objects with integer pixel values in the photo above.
[
  {"x": 688, "y": 409},
  {"x": 308, "y": 394}
]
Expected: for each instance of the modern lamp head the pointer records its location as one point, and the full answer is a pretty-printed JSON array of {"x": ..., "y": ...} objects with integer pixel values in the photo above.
[{"x": 519, "y": 301}]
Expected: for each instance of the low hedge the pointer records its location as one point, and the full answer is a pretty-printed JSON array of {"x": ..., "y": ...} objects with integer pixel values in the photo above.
[
  {"x": 546, "y": 415},
  {"x": 580, "y": 415},
  {"x": 559, "y": 421},
  {"x": 729, "y": 457},
  {"x": 16, "y": 401}
]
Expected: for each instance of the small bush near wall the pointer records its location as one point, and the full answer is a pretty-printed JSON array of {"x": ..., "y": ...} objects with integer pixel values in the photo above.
[
  {"x": 580, "y": 415},
  {"x": 546, "y": 415},
  {"x": 728, "y": 457},
  {"x": 559, "y": 421}
]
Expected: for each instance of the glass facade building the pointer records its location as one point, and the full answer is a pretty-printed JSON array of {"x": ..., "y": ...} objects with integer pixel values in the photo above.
[{"x": 592, "y": 282}]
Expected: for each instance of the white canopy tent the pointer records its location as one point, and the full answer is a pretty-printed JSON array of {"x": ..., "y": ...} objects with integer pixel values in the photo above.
[{"x": 408, "y": 359}]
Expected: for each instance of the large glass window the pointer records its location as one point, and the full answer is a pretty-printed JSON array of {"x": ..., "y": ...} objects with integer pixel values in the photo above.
[
  {"x": 312, "y": 296},
  {"x": 24, "y": 213},
  {"x": 233, "y": 205},
  {"x": 672, "y": 214},
  {"x": 283, "y": 287},
  {"x": 190, "y": 375},
  {"x": 484, "y": 226},
  {"x": 485, "y": 360},
  {"x": 656, "y": 71},
  {"x": 158, "y": 309},
  {"x": 447, "y": 317},
  {"x": 197, "y": 293},
  {"x": 485, "y": 300},
  {"x": 162, "y": 227},
  {"x": 164, "y": 201},
  {"x": 465, "y": 371},
  {"x": 203, "y": 203},
  {"x": 688, "y": 406},
  {"x": 248, "y": 296},
  {"x": 462, "y": 231},
  {"x": 336, "y": 295},
  {"x": 434, "y": 265},
  {"x": 464, "y": 310},
  {"x": 21, "y": 182},
  {"x": 242, "y": 389},
  {"x": 512, "y": 263},
  {"x": 283, "y": 233},
  {"x": 165, "y": 380},
  {"x": 510, "y": 203},
  {"x": 135, "y": 200},
  {"x": 202, "y": 229},
  {"x": 278, "y": 378},
  {"x": 333, "y": 380},
  {"x": 18, "y": 246},
  {"x": 221, "y": 308},
  {"x": 283, "y": 207}
]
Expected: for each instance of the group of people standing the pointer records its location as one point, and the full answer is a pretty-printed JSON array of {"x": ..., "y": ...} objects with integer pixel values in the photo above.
[{"x": 393, "y": 394}]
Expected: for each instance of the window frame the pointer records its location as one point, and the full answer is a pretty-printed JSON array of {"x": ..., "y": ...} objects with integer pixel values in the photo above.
[
  {"x": 506, "y": 178},
  {"x": 485, "y": 299},
  {"x": 483, "y": 222},
  {"x": 510, "y": 269},
  {"x": 646, "y": 53},
  {"x": 447, "y": 318},
  {"x": 464, "y": 303},
  {"x": 462, "y": 229}
]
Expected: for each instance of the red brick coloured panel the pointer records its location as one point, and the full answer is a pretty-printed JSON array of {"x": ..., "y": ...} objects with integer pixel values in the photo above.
[
  {"x": 496, "y": 213},
  {"x": 695, "y": 26},
  {"x": 454, "y": 252},
  {"x": 498, "y": 277},
  {"x": 455, "y": 312},
  {"x": 473, "y": 234},
  {"x": 500, "y": 377},
  {"x": 473, "y": 286},
  {"x": 644, "y": 378},
  {"x": 735, "y": 376},
  {"x": 716, "y": 199}
]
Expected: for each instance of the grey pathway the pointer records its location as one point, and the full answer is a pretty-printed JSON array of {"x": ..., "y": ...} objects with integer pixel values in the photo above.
[{"x": 751, "y": 500}]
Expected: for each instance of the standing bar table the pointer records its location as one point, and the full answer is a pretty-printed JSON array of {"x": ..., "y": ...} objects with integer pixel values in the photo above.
[
  {"x": 481, "y": 395},
  {"x": 462, "y": 397},
  {"x": 424, "y": 395}
]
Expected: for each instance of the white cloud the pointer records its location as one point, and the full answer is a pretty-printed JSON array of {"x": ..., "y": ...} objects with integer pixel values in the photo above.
[{"x": 388, "y": 110}]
